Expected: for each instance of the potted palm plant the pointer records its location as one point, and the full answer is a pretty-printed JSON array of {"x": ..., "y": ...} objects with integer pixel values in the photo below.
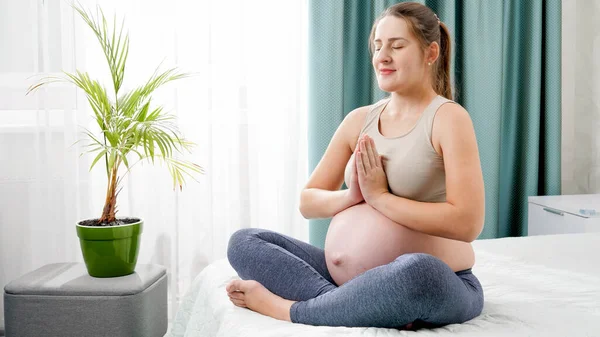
[{"x": 128, "y": 128}]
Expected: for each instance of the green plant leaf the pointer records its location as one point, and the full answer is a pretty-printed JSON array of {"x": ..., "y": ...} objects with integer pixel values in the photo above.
[
  {"x": 115, "y": 52},
  {"x": 123, "y": 157},
  {"x": 100, "y": 155},
  {"x": 127, "y": 122},
  {"x": 130, "y": 102}
]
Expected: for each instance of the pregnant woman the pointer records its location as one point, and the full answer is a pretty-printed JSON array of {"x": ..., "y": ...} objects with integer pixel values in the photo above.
[{"x": 398, "y": 252}]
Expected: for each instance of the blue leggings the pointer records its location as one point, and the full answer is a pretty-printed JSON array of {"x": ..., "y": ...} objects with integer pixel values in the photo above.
[{"x": 414, "y": 288}]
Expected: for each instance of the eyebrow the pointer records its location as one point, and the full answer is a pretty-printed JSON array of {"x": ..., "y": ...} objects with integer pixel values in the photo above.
[{"x": 392, "y": 39}]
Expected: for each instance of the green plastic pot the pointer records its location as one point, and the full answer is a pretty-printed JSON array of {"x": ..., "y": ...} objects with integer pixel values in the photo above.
[{"x": 110, "y": 251}]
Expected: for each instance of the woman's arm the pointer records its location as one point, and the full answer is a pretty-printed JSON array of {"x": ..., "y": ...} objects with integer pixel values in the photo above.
[
  {"x": 440, "y": 219},
  {"x": 322, "y": 197},
  {"x": 462, "y": 216},
  {"x": 321, "y": 204}
]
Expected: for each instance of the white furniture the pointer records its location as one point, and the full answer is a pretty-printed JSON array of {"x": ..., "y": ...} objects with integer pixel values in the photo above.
[
  {"x": 561, "y": 214},
  {"x": 547, "y": 285}
]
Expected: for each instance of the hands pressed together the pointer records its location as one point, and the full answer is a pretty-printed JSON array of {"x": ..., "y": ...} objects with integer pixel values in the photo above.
[{"x": 369, "y": 180}]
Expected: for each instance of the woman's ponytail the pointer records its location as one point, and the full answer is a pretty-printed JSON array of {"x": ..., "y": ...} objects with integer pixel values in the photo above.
[{"x": 442, "y": 83}]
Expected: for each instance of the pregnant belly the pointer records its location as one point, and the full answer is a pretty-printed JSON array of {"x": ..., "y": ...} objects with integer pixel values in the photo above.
[{"x": 360, "y": 238}]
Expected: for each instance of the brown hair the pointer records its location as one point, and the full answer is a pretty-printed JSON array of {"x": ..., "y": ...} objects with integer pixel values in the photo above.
[{"x": 427, "y": 28}]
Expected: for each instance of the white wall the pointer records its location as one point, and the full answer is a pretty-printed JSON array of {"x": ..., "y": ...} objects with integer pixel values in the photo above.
[{"x": 580, "y": 96}]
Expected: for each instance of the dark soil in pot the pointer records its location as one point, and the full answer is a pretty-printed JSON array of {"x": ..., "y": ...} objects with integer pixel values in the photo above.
[{"x": 118, "y": 222}]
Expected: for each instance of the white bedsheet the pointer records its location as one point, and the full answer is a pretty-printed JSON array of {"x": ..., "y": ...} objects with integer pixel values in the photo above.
[{"x": 533, "y": 286}]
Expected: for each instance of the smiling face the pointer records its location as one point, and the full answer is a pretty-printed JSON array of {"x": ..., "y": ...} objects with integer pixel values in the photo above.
[{"x": 398, "y": 57}]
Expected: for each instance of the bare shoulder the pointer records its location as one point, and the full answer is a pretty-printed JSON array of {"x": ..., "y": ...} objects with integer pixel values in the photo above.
[
  {"x": 453, "y": 111},
  {"x": 360, "y": 112},
  {"x": 355, "y": 121},
  {"x": 329, "y": 172},
  {"x": 451, "y": 120}
]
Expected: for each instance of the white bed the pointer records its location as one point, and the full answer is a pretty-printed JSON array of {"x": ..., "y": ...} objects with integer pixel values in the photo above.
[{"x": 533, "y": 286}]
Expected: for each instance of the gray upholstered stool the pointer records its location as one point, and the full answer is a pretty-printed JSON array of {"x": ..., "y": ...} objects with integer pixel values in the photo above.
[{"x": 63, "y": 300}]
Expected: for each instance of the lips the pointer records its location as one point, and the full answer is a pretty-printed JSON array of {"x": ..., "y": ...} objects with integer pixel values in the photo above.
[{"x": 386, "y": 71}]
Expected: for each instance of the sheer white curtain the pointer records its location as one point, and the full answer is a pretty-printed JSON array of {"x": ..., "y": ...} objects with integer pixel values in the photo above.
[
  {"x": 580, "y": 97},
  {"x": 245, "y": 108}
]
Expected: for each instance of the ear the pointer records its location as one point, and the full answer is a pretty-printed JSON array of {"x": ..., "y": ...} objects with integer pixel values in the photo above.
[{"x": 434, "y": 52}]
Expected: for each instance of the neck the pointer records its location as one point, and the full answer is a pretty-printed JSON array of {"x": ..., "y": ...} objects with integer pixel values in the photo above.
[{"x": 409, "y": 104}]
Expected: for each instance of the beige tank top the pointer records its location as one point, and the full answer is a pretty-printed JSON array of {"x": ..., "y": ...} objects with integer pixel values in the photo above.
[{"x": 413, "y": 169}]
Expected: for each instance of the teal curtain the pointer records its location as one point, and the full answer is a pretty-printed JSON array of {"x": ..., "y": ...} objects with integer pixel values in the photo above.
[{"x": 506, "y": 70}]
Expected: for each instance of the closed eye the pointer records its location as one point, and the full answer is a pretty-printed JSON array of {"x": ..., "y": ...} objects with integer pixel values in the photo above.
[{"x": 378, "y": 49}]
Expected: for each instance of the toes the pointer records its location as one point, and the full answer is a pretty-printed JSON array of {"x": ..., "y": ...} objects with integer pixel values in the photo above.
[
  {"x": 233, "y": 286},
  {"x": 243, "y": 286},
  {"x": 237, "y": 295},
  {"x": 229, "y": 287},
  {"x": 239, "y": 303}
]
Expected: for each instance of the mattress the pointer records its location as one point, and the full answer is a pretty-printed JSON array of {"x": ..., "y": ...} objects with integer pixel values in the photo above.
[{"x": 533, "y": 286}]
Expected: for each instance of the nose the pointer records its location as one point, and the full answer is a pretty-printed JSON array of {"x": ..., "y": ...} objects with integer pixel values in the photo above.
[{"x": 382, "y": 55}]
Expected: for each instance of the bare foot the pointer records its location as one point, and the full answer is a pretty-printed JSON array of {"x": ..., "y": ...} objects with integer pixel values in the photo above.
[{"x": 254, "y": 296}]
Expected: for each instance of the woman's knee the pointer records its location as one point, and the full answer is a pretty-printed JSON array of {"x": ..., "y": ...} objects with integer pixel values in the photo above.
[
  {"x": 237, "y": 241},
  {"x": 419, "y": 263},
  {"x": 424, "y": 273},
  {"x": 238, "y": 244},
  {"x": 241, "y": 235}
]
